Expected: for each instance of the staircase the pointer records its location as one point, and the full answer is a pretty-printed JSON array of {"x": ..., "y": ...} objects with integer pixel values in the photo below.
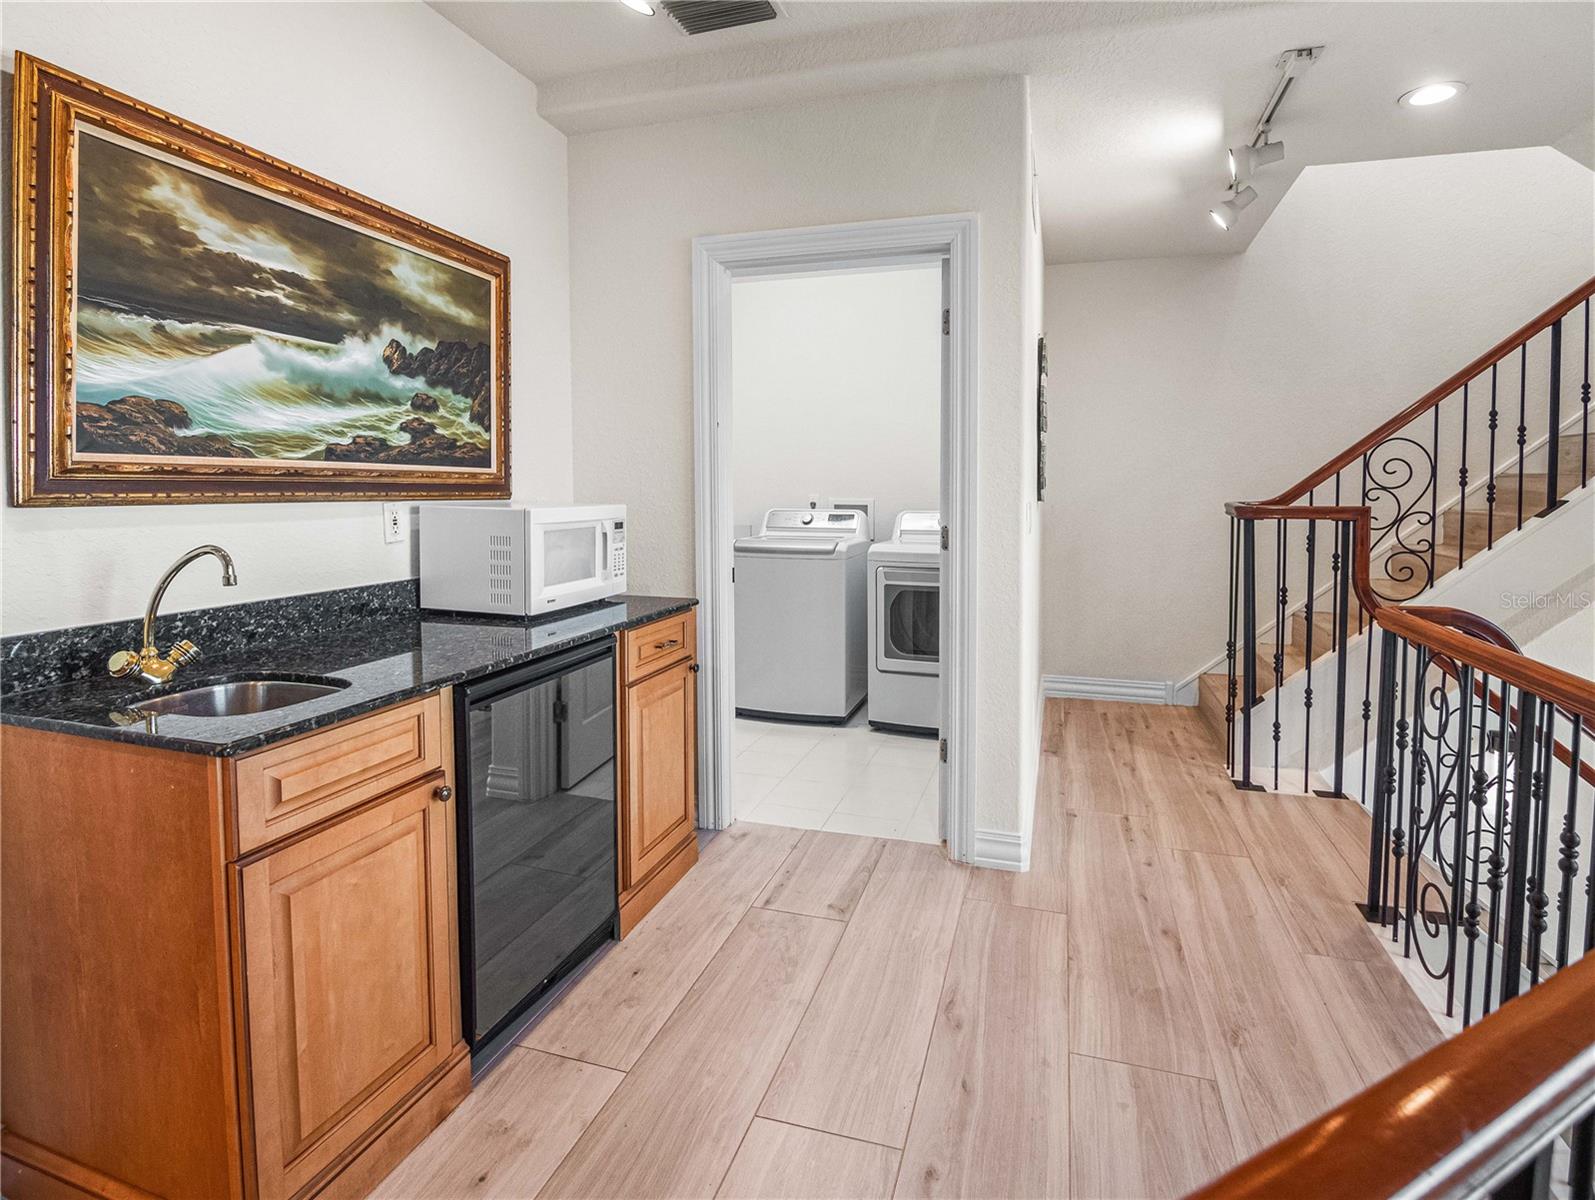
[
  {"x": 1476, "y": 459},
  {"x": 1473, "y": 800},
  {"x": 1466, "y": 531}
]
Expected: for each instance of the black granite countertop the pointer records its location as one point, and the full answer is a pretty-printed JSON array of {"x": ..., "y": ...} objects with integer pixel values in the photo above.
[{"x": 384, "y": 656}]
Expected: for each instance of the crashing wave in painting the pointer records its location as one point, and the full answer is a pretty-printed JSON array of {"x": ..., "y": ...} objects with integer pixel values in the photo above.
[{"x": 217, "y": 323}]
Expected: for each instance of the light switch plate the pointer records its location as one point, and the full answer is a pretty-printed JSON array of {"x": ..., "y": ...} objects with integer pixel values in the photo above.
[{"x": 395, "y": 522}]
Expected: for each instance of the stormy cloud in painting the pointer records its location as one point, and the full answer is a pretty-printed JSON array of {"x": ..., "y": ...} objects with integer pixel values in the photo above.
[{"x": 214, "y": 322}]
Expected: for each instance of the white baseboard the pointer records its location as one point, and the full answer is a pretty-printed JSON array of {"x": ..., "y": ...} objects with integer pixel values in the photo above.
[
  {"x": 1132, "y": 691},
  {"x": 1001, "y": 850}
]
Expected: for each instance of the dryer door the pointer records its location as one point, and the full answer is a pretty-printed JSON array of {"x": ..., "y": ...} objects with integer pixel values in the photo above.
[{"x": 908, "y": 606}]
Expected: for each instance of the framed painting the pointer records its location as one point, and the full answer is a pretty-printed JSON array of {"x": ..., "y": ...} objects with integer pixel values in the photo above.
[{"x": 196, "y": 321}]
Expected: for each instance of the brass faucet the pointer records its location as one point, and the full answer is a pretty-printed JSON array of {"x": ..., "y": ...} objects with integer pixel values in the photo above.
[{"x": 148, "y": 661}]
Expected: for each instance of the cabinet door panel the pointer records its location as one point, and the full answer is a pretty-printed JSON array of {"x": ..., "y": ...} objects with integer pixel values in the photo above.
[
  {"x": 661, "y": 768},
  {"x": 349, "y": 976}
]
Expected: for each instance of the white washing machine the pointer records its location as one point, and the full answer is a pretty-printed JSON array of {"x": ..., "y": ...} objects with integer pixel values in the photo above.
[
  {"x": 905, "y": 625},
  {"x": 801, "y": 610}
]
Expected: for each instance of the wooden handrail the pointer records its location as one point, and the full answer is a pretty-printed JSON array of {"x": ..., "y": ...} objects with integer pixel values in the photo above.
[
  {"x": 1447, "y": 1122},
  {"x": 1569, "y": 692},
  {"x": 1429, "y": 399},
  {"x": 1488, "y": 631}
]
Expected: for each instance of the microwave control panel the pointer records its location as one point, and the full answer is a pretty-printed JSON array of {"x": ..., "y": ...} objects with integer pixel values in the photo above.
[{"x": 617, "y": 550}]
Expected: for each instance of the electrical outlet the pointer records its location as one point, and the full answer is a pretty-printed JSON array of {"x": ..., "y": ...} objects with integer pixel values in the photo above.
[
  {"x": 814, "y": 499},
  {"x": 394, "y": 523}
]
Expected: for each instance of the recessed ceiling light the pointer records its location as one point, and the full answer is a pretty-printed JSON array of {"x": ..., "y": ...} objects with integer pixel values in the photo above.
[
  {"x": 1225, "y": 214},
  {"x": 641, "y": 6},
  {"x": 1432, "y": 93}
]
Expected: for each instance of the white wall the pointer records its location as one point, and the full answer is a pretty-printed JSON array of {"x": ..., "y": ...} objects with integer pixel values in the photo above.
[
  {"x": 1179, "y": 384},
  {"x": 393, "y": 101},
  {"x": 639, "y": 196},
  {"x": 836, "y": 391}
]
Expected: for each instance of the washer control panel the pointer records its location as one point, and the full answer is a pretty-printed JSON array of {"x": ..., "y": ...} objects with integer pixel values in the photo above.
[{"x": 829, "y": 521}]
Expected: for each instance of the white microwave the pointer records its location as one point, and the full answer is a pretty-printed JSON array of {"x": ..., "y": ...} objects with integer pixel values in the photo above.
[{"x": 520, "y": 561}]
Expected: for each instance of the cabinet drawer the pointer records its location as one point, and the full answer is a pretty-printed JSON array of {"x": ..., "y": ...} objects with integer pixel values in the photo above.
[
  {"x": 285, "y": 788},
  {"x": 651, "y": 647}
]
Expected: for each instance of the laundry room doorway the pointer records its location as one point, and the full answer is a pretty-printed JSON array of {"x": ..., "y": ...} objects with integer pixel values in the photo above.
[{"x": 834, "y": 513}]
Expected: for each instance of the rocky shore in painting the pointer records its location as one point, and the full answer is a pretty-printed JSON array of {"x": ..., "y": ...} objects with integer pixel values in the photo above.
[
  {"x": 146, "y": 425},
  {"x": 426, "y": 445},
  {"x": 465, "y": 370}
]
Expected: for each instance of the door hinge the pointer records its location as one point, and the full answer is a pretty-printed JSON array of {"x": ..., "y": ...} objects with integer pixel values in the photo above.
[
  {"x": 946, "y": 321},
  {"x": 943, "y": 750},
  {"x": 944, "y": 538},
  {"x": 561, "y": 711}
]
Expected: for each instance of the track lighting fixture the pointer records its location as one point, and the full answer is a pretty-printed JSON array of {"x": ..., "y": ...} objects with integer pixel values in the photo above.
[
  {"x": 1225, "y": 214},
  {"x": 1244, "y": 160}
]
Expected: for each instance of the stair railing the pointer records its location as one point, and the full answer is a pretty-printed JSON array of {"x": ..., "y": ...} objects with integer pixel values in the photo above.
[
  {"x": 1491, "y": 1112},
  {"x": 1482, "y": 795},
  {"x": 1478, "y": 772},
  {"x": 1503, "y": 441}
]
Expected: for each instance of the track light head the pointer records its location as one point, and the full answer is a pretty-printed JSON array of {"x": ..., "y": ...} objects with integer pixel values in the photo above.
[
  {"x": 1244, "y": 160},
  {"x": 1225, "y": 215}
]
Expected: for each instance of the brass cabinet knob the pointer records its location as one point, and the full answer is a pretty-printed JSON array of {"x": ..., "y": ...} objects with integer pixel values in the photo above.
[{"x": 443, "y": 792}]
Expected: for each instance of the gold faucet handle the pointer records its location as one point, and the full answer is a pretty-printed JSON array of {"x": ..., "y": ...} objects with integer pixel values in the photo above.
[
  {"x": 124, "y": 663},
  {"x": 182, "y": 653}
]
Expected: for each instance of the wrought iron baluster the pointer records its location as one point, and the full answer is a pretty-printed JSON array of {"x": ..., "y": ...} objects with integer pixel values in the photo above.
[
  {"x": 1583, "y": 455},
  {"x": 1522, "y": 424},
  {"x": 1459, "y": 805},
  {"x": 1410, "y": 898},
  {"x": 1581, "y": 1167},
  {"x": 1341, "y": 568},
  {"x": 1567, "y": 861},
  {"x": 1553, "y": 451},
  {"x": 1307, "y": 694},
  {"x": 1434, "y": 498},
  {"x": 1489, "y": 487},
  {"x": 1384, "y": 770},
  {"x": 1398, "y": 839},
  {"x": 1367, "y": 709},
  {"x": 1462, "y": 485},
  {"x": 1476, "y": 794},
  {"x": 1527, "y": 742},
  {"x": 1229, "y": 649},
  {"x": 1280, "y": 593},
  {"x": 1539, "y": 902},
  {"x": 1496, "y": 882},
  {"x": 1249, "y": 605}
]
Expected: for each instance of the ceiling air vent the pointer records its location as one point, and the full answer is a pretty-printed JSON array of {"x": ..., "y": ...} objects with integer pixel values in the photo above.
[{"x": 706, "y": 16}]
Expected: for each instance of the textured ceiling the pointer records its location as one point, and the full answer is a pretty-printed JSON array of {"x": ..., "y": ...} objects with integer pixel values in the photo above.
[{"x": 1132, "y": 103}]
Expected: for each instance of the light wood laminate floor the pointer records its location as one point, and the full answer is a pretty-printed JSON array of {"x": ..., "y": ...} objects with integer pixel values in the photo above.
[{"x": 1181, "y": 979}]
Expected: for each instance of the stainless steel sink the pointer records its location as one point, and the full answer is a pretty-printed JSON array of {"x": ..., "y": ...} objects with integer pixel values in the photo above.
[{"x": 238, "y": 697}]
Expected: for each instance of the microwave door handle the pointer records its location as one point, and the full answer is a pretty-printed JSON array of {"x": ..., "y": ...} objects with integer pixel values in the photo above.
[{"x": 603, "y": 558}]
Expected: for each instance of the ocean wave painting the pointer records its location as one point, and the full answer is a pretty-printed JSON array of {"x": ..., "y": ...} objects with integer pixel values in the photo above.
[{"x": 216, "y": 323}]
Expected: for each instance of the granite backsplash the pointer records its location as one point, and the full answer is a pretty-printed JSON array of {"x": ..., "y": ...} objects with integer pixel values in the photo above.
[{"x": 56, "y": 656}]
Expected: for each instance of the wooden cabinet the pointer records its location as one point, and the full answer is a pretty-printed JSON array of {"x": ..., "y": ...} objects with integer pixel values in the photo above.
[
  {"x": 349, "y": 973},
  {"x": 659, "y": 762},
  {"x": 228, "y": 978}
]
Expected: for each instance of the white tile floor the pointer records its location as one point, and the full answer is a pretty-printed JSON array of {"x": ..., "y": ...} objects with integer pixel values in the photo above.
[{"x": 849, "y": 779}]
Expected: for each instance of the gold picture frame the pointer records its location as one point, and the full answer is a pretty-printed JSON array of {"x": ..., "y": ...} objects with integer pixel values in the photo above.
[{"x": 235, "y": 435}]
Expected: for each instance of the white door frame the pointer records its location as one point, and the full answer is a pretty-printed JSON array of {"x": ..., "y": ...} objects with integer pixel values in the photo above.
[{"x": 716, "y": 262}]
